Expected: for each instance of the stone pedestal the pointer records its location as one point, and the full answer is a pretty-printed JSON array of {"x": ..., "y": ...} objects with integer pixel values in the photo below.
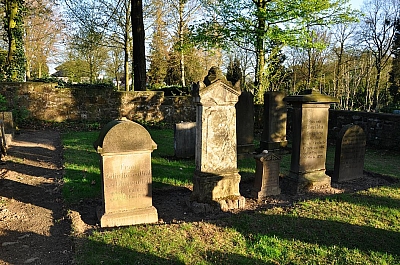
[
  {"x": 266, "y": 181},
  {"x": 274, "y": 126},
  {"x": 125, "y": 161},
  {"x": 349, "y": 154},
  {"x": 310, "y": 132},
  {"x": 245, "y": 124},
  {"x": 216, "y": 178}
]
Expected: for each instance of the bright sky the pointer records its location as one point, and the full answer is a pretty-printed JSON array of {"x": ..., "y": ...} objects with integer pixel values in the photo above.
[{"x": 356, "y": 3}]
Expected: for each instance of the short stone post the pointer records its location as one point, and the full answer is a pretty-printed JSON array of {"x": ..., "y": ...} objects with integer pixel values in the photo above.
[
  {"x": 349, "y": 154},
  {"x": 185, "y": 139},
  {"x": 216, "y": 178},
  {"x": 310, "y": 133},
  {"x": 125, "y": 149},
  {"x": 266, "y": 181},
  {"x": 274, "y": 125}
]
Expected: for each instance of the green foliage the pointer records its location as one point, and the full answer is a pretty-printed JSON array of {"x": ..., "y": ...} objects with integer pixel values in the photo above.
[{"x": 3, "y": 103}]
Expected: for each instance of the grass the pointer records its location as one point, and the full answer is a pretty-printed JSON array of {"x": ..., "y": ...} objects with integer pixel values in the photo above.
[{"x": 358, "y": 228}]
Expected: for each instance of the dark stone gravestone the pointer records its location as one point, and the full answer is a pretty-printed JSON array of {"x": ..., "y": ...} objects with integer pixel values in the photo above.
[
  {"x": 245, "y": 124},
  {"x": 309, "y": 144},
  {"x": 274, "y": 125},
  {"x": 185, "y": 139},
  {"x": 267, "y": 175},
  {"x": 125, "y": 160},
  {"x": 349, "y": 154}
]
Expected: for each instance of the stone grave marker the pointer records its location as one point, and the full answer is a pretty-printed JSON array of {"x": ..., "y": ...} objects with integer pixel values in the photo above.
[
  {"x": 266, "y": 181},
  {"x": 310, "y": 133},
  {"x": 274, "y": 125},
  {"x": 216, "y": 178},
  {"x": 125, "y": 160},
  {"x": 349, "y": 154},
  {"x": 245, "y": 124},
  {"x": 185, "y": 139}
]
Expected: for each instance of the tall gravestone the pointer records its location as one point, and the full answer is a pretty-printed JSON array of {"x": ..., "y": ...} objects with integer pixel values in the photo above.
[
  {"x": 125, "y": 149},
  {"x": 309, "y": 143},
  {"x": 216, "y": 178},
  {"x": 245, "y": 124},
  {"x": 274, "y": 125},
  {"x": 349, "y": 154}
]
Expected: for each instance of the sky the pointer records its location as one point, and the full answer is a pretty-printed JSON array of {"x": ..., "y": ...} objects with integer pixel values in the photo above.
[{"x": 356, "y": 3}]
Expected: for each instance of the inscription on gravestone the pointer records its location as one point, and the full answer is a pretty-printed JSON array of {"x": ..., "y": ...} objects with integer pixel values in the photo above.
[
  {"x": 125, "y": 158},
  {"x": 267, "y": 175},
  {"x": 349, "y": 154}
]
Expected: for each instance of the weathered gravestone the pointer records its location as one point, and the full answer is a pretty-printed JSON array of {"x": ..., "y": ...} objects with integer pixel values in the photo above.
[
  {"x": 349, "y": 154},
  {"x": 274, "y": 126},
  {"x": 125, "y": 160},
  {"x": 185, "y": 139},
  {"x": 266, "y": 181},
  {"x": 216, "y": 178},
  {"x": 310, "y": 133},
  {"x": 245, "y": 124},
  {"x": 7, "y": 118}
]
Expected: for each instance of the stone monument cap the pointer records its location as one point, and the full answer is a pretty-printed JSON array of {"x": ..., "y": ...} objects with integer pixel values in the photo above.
[
  {"x": 312, "y": 96},
  {"x": 123, "y": 135}
]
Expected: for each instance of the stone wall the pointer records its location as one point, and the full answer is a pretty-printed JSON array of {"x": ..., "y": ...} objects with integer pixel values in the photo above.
[
  {"x": 382, "y": 130},
  {"x": 46, "y": 101}
]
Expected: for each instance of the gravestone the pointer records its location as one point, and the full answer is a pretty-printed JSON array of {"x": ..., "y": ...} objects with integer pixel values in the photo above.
[
  {"x": 349, "y": 154},
  {"x": 245, "y": 124},
  {"x": 274, "y": 125},
  {"x": 309, "y": 143},
  {"x": 216, "y": 178},
  {"x": 7, "y": 118},
  {"x": 185, "y": 139},
  {"x": 266, "y": 181},
  {"x": 125, "y": 160}
]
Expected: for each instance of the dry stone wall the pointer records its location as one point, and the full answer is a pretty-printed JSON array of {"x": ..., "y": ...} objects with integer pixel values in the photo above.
[{"x": 46, "y": 101}]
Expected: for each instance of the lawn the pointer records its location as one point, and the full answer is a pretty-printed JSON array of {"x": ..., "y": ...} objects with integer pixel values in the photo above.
[{"x": 357, "y": 228}]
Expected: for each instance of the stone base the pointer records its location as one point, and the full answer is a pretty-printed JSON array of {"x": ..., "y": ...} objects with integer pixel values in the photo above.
[
  {"x": 245, "y": 150},
  {"x": 300, "y": 183},
  {"x": 237, "y": 202},
  {"x": 209, "y": 187},
  {"x": 265, "y": 145},
  {"x": 132, "y": 217},
  {"x": 265, "y": 192}
]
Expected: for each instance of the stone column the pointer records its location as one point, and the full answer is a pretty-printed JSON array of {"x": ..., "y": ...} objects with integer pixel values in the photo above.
[
  {"x": 310, "y": 132},
  {"x": 274, "y": 126},
  {"x": 216, "y": 178}
]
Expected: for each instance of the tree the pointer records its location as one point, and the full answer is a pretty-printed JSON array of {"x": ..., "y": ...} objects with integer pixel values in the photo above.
[
  {"x": 378, "y": 32},
  {"x": 43, "y": 28},
  {"x": 265, "y": 24},
  {"x": 158, "y": 47},
  {"x": 394, "y": 77},
  {"x": 138, "y": 37},
  {"x": 13, "y": 24}
]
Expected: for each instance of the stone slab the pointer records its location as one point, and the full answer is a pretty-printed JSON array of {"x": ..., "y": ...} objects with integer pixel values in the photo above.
[{"x": 137, "y": 216}]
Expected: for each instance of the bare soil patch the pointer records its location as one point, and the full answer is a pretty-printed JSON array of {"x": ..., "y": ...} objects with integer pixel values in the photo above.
[{"x": 37, "y": 228}]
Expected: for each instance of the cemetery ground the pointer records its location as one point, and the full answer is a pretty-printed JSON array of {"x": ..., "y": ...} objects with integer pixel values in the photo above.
[{"x": 50, "y": 187}]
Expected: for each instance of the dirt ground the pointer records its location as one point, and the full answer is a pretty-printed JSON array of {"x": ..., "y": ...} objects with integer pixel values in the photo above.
[{"x": 37, "y": 228}]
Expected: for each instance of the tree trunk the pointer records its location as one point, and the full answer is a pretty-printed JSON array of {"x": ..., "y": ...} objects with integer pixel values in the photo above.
[
  {"x": 139, "y": 59},
  {"x": 126, "y": 46},
  {"x": 181, "y": 42},
  {"x": 260, "y": 50}
]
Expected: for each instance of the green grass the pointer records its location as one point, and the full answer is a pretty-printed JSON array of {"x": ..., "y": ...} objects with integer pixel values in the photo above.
[{"x": 358, "y": 228}]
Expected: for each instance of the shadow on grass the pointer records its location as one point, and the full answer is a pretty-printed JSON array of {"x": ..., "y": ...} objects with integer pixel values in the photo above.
[{"x": 321, "y": 232}]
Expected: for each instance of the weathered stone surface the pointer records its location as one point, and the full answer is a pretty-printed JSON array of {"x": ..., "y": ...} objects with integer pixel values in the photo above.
[
  {"x": 310, "y": 132},
  {"x": 216, "y": 176},
  {"x": 266, "y": 181},
  {"x": 185, "y": 139},
  {"x": 125, "y": 149},
  {"x": 349, "y": 154},
  {"x": 274, "y": 125}
]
